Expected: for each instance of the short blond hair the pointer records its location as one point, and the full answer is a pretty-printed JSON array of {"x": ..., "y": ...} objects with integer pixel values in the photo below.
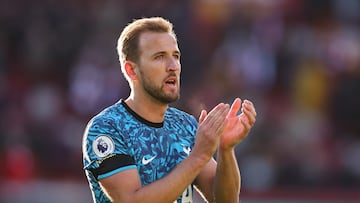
[{"x": 128, "y": 42}]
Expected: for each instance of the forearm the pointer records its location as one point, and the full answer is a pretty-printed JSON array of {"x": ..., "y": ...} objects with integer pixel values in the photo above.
[
  {"x": 170, "y": 187},
  {"x": 227, "y": 179}
]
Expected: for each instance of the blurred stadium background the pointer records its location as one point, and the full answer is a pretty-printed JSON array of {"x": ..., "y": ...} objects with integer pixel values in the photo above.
[{"x": 298, "y": 60}]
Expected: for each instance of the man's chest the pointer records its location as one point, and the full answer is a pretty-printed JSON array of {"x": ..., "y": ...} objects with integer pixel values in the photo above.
[{"x": 157, "y": 151}]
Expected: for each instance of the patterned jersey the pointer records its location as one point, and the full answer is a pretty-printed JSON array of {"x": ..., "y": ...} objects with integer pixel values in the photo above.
[{"x": 118, "y": 139}]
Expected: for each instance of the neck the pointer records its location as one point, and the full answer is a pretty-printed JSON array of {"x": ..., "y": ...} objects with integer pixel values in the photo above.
[{"x": 151, "y": 110}]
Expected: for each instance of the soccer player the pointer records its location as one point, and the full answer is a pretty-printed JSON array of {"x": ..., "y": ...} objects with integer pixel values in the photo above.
[{"x": 141, "y": 150}]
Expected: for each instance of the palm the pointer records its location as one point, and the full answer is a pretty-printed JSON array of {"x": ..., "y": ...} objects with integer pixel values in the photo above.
[
  {"x": 234, "y": 131},
  {"x": 238, "y": 126}
]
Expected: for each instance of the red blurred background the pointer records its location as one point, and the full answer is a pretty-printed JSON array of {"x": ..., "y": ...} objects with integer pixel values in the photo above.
[{"x": 298, "y": 61}]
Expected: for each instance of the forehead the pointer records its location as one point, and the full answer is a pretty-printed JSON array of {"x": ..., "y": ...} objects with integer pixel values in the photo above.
[{"x": 152, "y": 42}]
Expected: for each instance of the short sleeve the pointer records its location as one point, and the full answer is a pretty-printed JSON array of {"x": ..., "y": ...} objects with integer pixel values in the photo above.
[{"x": 104, "y": 149}]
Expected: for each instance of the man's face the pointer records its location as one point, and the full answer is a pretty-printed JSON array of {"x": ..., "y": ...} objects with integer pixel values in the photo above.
[{"x": 159, "y": 66}]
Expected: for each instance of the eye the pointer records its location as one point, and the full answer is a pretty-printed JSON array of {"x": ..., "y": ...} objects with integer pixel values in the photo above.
[
  {"x": 159, "y": 57},
  {"x": 177, "y": 56}
]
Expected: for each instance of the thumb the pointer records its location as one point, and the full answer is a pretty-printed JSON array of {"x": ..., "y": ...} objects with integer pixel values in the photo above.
[
  {"x": 235, "y": 107},
  {"x": 202, "y": 116}
]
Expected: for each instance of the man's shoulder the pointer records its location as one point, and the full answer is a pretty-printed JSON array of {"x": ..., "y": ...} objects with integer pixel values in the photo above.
[
  {"x": 113, "y": 112},
  {"x": 106, "y": 124},
  {"x": 176, "y": 113},
  {"x": 107, "y": 119}
]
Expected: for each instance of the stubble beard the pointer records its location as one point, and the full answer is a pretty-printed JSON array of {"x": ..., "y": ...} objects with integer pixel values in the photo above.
[{"x": 158, "y": 93}]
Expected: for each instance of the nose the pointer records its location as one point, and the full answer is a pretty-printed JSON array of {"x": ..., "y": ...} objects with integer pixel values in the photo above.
[{"x": 173, "y": 64}]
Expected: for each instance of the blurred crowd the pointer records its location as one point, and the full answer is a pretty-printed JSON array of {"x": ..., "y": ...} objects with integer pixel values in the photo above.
[{"x": 298, "y": 61}]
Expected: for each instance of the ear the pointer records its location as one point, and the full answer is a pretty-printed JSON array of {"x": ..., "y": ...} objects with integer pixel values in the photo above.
[{"x": 130, "y": 70}]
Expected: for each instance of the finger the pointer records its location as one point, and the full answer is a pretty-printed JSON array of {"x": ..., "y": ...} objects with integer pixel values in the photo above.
[
  {"x": 202, "y": 116},
  {"x": 234, "y": 108},
  {"x": 246, "y": 124},
  {"x": 250, "y": 116},
  {"x": 219, "y": 116},
  {"x": 217, "y": 111},
  {"x": 216, "y": 117},
  {"x": 217, "y": 108},
  {"x": 249, "y": 110},
  {"x": 249, "y": 105}
]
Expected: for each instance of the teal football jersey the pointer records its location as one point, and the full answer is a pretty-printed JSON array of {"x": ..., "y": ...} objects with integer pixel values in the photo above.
[{"x": 118, "y": 139}]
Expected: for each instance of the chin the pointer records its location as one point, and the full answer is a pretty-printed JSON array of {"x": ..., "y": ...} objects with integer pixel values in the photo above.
[{"x": 168, "y": 100}]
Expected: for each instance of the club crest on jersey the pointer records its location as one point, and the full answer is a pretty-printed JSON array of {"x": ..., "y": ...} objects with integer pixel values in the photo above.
[{"x": 102, "y": 146}]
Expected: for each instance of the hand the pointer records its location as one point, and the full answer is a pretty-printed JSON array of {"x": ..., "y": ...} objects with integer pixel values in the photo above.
[
  {"x": 210, "y": 129},
  {"x": 238, "y": 126}
]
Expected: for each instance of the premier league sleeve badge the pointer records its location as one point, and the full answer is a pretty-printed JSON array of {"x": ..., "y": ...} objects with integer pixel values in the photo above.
[{"x": 102, "y": 146}]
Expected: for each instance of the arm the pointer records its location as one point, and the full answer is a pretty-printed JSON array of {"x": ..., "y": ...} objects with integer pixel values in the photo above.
[
  {"x": 126, "y": 186},
  {"x": 227, "y": 179},
  {"x": 220, "y": 181}
]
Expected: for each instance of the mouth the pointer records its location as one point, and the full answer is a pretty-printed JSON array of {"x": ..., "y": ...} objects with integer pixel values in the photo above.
[{"x": 171, "y": 81}]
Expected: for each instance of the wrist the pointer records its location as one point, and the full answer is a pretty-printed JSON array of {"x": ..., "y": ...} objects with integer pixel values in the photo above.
[
  {"x": 199, "y": 159},
  {"x": 226, "y": 151}
]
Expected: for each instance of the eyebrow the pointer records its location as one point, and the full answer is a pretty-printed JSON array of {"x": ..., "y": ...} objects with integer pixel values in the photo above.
[{"x": 164, "y": 52}]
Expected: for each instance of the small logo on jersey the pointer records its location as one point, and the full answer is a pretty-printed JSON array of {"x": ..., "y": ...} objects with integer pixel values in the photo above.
[
  {"x": 103, "y": 145},
  {"x": 146, "y": 160},
  {"x": 186, "y": 149}
]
